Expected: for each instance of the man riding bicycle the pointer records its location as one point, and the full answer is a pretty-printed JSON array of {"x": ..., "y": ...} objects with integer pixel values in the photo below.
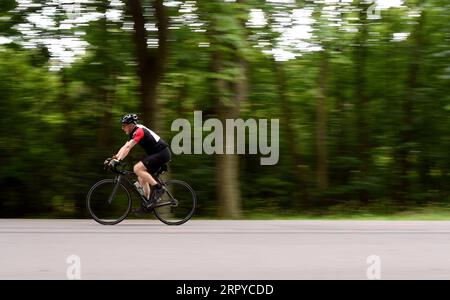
[{"x": 157, "y": 150}]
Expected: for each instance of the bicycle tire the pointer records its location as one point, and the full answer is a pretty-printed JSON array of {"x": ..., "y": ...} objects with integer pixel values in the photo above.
[
  {"x": 169, "y": 184},
  {"x": 89, "y": 202}
]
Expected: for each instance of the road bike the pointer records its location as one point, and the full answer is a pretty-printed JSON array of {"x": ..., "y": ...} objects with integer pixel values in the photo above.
[{"x": 109, "y": 201}]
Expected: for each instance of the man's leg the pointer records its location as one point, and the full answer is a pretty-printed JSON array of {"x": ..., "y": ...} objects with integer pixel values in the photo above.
[
  {"x": 144, "y": 177},
  {"x": 145, "y": 187}
]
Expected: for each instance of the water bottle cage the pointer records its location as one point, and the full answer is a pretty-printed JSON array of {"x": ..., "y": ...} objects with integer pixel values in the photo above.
[{"x": 139, "y": 188}]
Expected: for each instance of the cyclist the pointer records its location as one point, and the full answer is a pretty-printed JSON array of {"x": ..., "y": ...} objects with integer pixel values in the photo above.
[{"x": 157, "y": 150}]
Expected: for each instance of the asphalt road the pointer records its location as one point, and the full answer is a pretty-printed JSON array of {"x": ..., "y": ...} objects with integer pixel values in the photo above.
[{"x": 135, "y": 249}]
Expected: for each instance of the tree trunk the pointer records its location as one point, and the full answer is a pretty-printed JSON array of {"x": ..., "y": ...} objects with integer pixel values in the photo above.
[
  {"x": 70, "y": 144},
  {"x": 105, "y": 128},
  {"x": 362, "y": 99},
  {"x": 228, "y": 96},
  {"x": 150, "y": 63},
  {"x": 107, "y": 97},
  {"x": 407, "y": 130},
  {"x": 341, "y": 141},
  {"x": 301, "y": 190},
  {"x": 321, "y": 126},
  {"x": 228, "y": 190},
  {"x": 227, "y": 165},
  {"x": 66, "y": 108}
]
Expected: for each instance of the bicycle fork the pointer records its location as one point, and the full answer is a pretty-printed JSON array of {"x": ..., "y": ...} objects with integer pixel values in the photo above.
[{"x": 114, "y": 191}]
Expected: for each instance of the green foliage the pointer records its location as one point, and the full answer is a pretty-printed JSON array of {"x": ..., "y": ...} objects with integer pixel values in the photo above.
[{"x": 58, "y": 126}]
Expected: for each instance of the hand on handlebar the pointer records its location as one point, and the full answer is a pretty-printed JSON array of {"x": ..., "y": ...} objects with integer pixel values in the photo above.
[
  {"x": 111, "y": 162},
  {"x": 114, "y": 162},
  {"x": 106, "y": 163}
]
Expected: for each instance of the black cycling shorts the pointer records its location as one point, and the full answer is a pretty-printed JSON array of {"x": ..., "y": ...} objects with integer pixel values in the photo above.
[{"x": 154, "y": 161}]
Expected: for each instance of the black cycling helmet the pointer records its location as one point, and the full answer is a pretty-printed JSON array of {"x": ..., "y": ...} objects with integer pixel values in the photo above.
[{"x": 129, "y": 118}]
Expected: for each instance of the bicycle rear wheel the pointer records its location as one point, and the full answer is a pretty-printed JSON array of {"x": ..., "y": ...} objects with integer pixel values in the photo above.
[
  {"x": 108, "y": 202},
  {"x": 177, "y": 204}
]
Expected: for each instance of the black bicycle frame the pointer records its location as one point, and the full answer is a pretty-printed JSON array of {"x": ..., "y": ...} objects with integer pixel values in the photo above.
[{"x": 122, "y": 175}]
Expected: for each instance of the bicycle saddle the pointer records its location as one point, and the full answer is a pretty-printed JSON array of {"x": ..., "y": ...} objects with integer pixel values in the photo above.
[{"x": 160, "y": 170}]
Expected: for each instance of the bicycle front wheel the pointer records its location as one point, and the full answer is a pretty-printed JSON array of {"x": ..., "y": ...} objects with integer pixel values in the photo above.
[
  {"x": 108, "y": 202},
  {"x": 177, "y": 204}
]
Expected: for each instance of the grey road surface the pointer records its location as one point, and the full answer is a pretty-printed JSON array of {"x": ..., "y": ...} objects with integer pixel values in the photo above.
[{"x": 141, "y": 249}]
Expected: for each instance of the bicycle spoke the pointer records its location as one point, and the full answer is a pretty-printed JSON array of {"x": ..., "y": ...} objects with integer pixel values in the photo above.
[
  {"x": 177, "y": 203},
  {"x": 108, "y": 202}
]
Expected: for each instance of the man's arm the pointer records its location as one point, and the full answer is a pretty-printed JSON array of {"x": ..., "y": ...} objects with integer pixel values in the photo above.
[{"x": 123, "y": 152}]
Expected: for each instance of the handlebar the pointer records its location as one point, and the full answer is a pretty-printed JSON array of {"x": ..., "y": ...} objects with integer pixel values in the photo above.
[{"x": 108, "y": 166}]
